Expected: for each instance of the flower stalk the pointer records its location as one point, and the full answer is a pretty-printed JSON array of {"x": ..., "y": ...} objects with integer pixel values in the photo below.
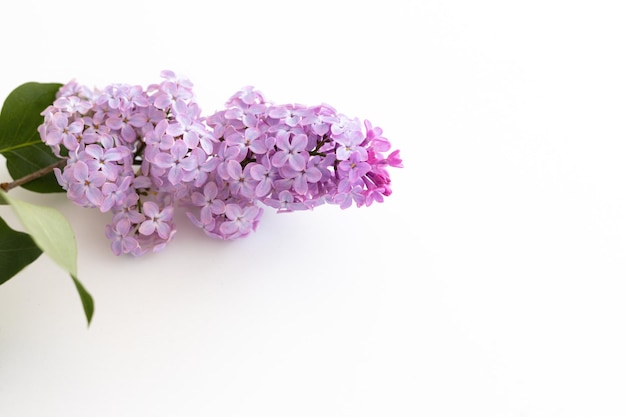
[{"x": 6, "y": 186}]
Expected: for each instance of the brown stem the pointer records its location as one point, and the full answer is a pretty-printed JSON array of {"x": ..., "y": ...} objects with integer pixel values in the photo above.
[{"x": 6, "y": 186}]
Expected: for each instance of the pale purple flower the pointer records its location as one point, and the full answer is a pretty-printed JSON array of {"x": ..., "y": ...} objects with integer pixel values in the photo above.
[
  {"x": 206, "y": 222},
  {"x": 324, "y": 164},
  {"x": 347, "y": 194},
  {"x": 119, "y": 234},
  {"x": 234, "y": 113},
  {"x": 291, "y": 151},
  {"x": 204, "y": 166},
  {"x": 186, "y": 124},
  {"x": 374, "y": 138},
  {"x": 153, "y": 116},
  {"x": 224, "y": 155},
  {"x": 176, "y": 162},
  {"x": 72, "y": 104},
  {"x": 96, "y": 125},
  {"x": 285, "y": 202},
  {"x": 290, "y": 115},
  {"x": 374, "y": 194},
  {"x": 112, "y": 96},
  {"x": 208, "y": 200},
  {"x": 73, "y": 88},
  {"x": 354, "y": 167},
  {"x": 264, "y": 173},
  {"x": 115, "y": 194},
  {"x": 240, "y": 220},
  {"x": 134, "y": 97},
  {"x": 61, "y": 131},
  {"x": 108, "y": 161},
  {"x": 104, "y": 112},
  {"x": 156, "y": 220},
  {"x": 245, "y": 98},
  {"x": 255, "y": 141},
  {"x": 342, "y": 123},
  {"x": 152, "y": 242},
  {"x": 159, "y": 136},
  {"x": 241, "y": 181},
  {"x": 251, "y": 139},
  {"x": 62, "y": 177},
  {"x": 349, "y": 144},
  {"x": 207, "y": 142},
  {"x": 129, "y": 207},
  {"x": 394, "y": 159},
  {"x": 126, "y": 123},
  {"x": 303, "y": 177},
  {"x": 84, "y": 188},
  {"x": 380, "y": 179},
  {"x": 172, "y": 89},
  {"x": 319, "y": 118}
]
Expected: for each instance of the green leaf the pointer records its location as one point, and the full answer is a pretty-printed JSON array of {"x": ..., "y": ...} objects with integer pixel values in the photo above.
[
  {"x": 20, "y": 142},
  {"x": 52, "y": 233},
  {"x": 17, "y": 250},
  {"x": 85, "y": 298}
]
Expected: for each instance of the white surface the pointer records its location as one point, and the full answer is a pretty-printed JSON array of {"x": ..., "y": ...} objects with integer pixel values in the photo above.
[{"x": 491, "y": 283}]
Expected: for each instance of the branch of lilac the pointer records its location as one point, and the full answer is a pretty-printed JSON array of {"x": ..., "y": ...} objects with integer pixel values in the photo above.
[
  {"x": 138, "y": 153},
  {"x": 6, "y": 186}
]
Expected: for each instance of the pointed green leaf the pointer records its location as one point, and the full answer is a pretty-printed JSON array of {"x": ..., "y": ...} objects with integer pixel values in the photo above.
[
  {"x": 20, "y": 142},
  {"x": 17, "y": 250},
  {"x": 52, "y": 233},
  {"x": 85, "y": 298}
]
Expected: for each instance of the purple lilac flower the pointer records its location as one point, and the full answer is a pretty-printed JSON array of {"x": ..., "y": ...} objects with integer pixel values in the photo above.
[
  {"x": 115, "y": 193},
  {"x": 156, "y": 220},
  {"x": 175, "y": 162},
  {"x": 349, "y": 143},
  {"x": 206, "y": 222},
  {"x": 285, "y": 202},
  {"x": 72, "y": 104},
  {"x": 61, "y": 130},
  {"x": 127, "y": 124},
  {"x": 291, "y": 150},
  {"x": 265, "y": 174},
  {"x": 240, "y": 220},
  {"x": 107, "y": 161},
  {"x": 119, "y": 233},
  {"x": 208, "y": 200},
  {"x": 84, "y": 185},
  {"x": 242, "y": 183},
  {"x": 354, "y": 167},
  {"x": 139, "y": 153}
]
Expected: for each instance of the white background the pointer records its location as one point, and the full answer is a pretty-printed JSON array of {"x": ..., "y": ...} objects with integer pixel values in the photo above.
[{"x": 491, "y": 283}]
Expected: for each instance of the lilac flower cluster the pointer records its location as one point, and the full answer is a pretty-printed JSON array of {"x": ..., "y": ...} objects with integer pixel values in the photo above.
[{"x": 139, "y": 153}]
